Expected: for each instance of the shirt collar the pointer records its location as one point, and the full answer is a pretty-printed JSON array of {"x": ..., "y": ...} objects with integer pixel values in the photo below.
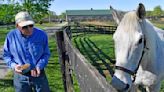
[{"x": 20, "y": 34}]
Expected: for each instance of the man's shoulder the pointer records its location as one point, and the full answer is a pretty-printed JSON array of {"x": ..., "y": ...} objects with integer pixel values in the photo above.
[
  {"x": 39, "y": 31},
  {"x": 12, "y": 32}
]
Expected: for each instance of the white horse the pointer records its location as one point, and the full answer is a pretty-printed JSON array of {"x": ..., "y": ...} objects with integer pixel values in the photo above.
[{"x": 139, "y": 51}]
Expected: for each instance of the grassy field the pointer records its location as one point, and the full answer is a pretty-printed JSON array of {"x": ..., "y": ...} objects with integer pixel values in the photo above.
[{"x": 98, "y": 49}]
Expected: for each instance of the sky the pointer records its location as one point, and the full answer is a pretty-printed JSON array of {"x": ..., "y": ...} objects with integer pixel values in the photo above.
[{"x": 60, "y": 6}]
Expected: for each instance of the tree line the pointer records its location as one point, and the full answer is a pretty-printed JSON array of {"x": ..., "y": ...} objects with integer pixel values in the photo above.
[
  {"x": 38, "y": 9},
  {"x": 157, "y": 11}
]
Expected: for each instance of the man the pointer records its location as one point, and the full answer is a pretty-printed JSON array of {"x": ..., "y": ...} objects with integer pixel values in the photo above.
[{"x": 26, "y": 52}]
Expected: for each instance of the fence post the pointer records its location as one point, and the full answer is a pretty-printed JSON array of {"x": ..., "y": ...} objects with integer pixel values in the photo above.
[{"x": 64, "y": 62}]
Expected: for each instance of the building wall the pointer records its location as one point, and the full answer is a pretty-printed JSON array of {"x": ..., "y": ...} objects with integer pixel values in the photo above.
[{"x": 89, "y": 18}]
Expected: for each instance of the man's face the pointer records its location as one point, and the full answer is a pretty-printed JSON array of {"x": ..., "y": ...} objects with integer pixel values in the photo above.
[{"x": 26, "y": 30}]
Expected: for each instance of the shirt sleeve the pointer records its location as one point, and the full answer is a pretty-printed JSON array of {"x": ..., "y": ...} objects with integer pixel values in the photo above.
[
  {"x": 43, "y": 61},
  {"x": 7, "y": 56}
]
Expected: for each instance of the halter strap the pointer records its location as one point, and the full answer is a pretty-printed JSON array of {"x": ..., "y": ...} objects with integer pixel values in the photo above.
[
  {"x": 133, "y": 73},
  {"x": 125, "y": 70}
]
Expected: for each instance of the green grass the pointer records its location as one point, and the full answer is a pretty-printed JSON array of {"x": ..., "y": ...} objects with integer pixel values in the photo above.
[
  {"x": 3, "y": 32},
  {"x": 95, "y": 47},
  {"x": 6, "y": 83},
  {"x": 53, "y": 69},
  {"x": 159, "y": 24}
]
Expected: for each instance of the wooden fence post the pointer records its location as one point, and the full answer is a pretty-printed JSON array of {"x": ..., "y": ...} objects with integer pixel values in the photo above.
[{"x": 64, "y": 62}]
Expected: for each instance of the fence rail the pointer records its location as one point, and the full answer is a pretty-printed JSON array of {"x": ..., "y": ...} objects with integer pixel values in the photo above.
[
  {"x": 78, "y": 28},
  {"x": 89, "y": 79}
]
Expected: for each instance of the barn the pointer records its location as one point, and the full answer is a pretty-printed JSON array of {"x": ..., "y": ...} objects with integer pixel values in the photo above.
[{"x": 88, "y": 15}]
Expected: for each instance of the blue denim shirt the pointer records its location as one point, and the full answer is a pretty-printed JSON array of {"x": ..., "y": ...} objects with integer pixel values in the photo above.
[{"x": 21, "y": 50}]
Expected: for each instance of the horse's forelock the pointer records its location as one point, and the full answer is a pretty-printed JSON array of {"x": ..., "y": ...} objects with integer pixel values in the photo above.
[{"x": 130, "y": 22}]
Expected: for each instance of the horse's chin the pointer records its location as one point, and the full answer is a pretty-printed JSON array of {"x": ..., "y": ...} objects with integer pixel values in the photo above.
[{"x": 118, "y": 84}]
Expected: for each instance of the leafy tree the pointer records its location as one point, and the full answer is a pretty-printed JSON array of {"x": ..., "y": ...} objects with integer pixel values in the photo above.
[
  {"x": 37, "y": 8},
  {"x": 62, "y": 16},
  {"x": 7, "y": 13},
  {"x": 157, "y": 11}
]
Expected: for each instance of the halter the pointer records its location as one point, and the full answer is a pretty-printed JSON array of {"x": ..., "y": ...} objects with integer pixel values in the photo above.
[{"x": 133, "y": 73}]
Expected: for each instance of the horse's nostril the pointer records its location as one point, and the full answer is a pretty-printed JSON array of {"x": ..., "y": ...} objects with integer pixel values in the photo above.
[{"x": 118, "y": 84}]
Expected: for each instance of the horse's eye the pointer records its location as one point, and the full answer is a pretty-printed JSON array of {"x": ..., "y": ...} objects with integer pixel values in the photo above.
[{"x": 140, "y": 41}]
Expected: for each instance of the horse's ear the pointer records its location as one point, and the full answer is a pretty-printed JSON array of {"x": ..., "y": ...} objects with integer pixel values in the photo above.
[
  {"x": 117, "y": 15},
  {"x": 141, "y": 11}
]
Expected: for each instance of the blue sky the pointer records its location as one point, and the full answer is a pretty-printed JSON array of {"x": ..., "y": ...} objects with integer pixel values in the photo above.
[{"x": 60, "y": 6}]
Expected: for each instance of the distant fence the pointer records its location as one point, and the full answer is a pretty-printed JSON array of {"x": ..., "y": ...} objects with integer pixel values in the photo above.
[
  {"x": 89, "y": 79},
  {"x": 100, "y": 29}
]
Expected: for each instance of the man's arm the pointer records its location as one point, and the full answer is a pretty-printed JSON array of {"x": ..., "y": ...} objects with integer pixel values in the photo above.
[
  {"x": 8, "y": 58},
  {"x": 43, "y": 61}
]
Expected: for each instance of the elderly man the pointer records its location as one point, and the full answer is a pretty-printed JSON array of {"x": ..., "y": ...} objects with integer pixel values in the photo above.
[{"x": 26, "y": 52}]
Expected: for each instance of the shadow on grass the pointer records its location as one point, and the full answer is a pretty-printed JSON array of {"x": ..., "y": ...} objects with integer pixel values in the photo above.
[
  {"x": 92, "y": 57},
  {"x": 95, "y": 55},
  {"x": 100, "y": 55},
  {"x": 77, "y": 45},
  {"x": 101, "y": 52}
]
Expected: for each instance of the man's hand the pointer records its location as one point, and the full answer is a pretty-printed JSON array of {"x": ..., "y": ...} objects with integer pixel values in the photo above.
[
  {"x": 18, "y": 69},
  {"x": 38, "y": 71},
  {"x": 35, "y": 72}
]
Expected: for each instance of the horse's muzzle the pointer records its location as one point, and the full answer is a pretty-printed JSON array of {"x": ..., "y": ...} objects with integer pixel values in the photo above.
[{"x": 119, "y": 85}]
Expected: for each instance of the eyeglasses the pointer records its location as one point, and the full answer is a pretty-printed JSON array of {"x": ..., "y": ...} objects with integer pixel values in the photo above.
[{"x": 26, "y": 27}]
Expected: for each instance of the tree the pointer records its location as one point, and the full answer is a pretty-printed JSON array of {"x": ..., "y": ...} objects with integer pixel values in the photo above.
[
  {"x": 157, "y": 11},
  {"x": 7, "y": 13},
  {"x": 149, "y": 13},
  {"x": 37, "y": 8},
  {"x": 62, "y": 16}
]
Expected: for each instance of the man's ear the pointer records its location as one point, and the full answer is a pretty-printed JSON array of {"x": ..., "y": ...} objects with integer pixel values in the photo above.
[
  {"x": 17, "y": 26},
  {"x": 141, "y": 11},
  {"x": 117, "y": 15}
]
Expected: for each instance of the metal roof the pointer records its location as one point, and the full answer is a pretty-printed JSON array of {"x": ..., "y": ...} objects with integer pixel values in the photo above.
[{"x": 88, "y": 12}]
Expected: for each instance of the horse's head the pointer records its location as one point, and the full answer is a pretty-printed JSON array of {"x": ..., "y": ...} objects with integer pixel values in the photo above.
[{"x": 129, "y": 46}]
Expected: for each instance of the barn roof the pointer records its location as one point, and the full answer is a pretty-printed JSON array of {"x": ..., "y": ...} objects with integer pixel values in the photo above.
[{"x": 88, "y": 12}]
